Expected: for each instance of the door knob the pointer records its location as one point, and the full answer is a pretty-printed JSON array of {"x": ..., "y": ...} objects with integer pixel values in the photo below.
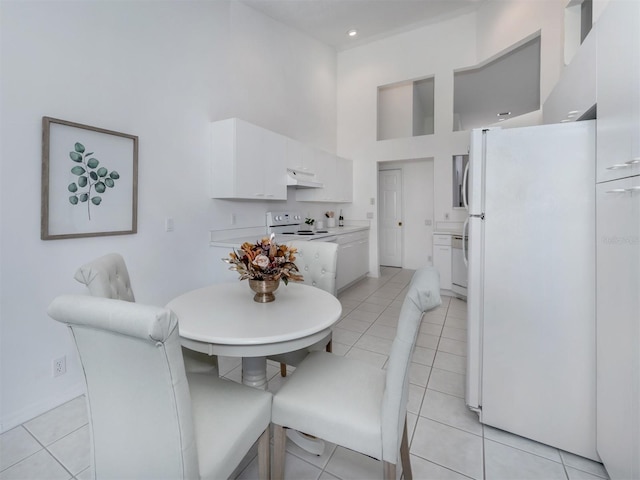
[{"x": 399, "y": 224}]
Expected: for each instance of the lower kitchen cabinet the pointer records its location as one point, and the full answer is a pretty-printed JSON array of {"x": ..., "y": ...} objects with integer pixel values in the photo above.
[
  {"x": 442, "y": 259},
  {"x": 353, "y": 257},
  {"x": 618, "y": 326}
]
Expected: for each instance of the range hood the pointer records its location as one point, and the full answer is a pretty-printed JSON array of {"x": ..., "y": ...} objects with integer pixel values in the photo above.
[{"x": 302, "y": 179}]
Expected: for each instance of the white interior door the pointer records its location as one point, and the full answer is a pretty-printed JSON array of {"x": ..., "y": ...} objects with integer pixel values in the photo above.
[{"x": 390, "y": 207}]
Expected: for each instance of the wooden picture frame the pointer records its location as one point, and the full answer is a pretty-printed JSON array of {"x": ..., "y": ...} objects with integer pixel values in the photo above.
[{"x": 89, "y": 181}]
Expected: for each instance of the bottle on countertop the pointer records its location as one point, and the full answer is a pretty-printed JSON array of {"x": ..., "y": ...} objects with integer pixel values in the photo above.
[{"x": 341, "y": 220}]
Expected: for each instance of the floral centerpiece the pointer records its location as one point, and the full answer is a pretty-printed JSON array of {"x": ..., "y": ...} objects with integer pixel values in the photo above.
[{"x": 264, "y": 264}]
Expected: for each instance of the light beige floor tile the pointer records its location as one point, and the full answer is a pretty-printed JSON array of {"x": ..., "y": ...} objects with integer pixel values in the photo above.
[
  {"x": 372, "y": 358},
  {"x": 385, "y": 302},
  {"x": 86, "y": 474},
  {"x": 374, "y": 344},
  {"x": 455, "y": 347},
  {"x": 363, "y": 316},
  {"x": 504, "y": 462},
  {"x": 522, "y": 443},
  {"x": 74, "y": 450},
  {"x": 387, "y": 320},
  {"x": 454, "y": 333},
  {"x": 56, "y": 423},
  {"x": 416, "y": 394},
  {"x": 424, "y": 469},
  {"x": 450, "y": 410},
  {"x": 455, "y": 322},
  {"x": 427, "y": 341},
  {"x": 448, "y": 447},
  {"x": 450, "y": 362},
  {"x": 370, "y": 308},
  {"x": 15, "y": 445},
  {"x": 427, "y": 328},
  {"x": 583, "y": 464},
  {"x": 423, "y": 355},
  {"x": 447, "y": 382},
  {"x": 338, "y": 348},
  {"x": 434, "y": 317},
  {"x": 327, "y": 476},
  {"x": 382, "y": 331},
  {"x": 419, "y": 374},
  {"x": 348, "y": 465},
  {"x": 226, "y": 364},
  {"x": 40, "y": 465},
  {"x": 353, "y": 325},
  {"x": 346, "y": 337}
]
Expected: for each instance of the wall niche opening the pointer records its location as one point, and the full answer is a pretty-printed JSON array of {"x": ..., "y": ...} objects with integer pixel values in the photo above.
[{"x": 406, "y": 109}]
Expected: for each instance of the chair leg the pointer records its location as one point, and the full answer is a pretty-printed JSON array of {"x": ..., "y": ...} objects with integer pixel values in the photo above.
[
  {"x": 329, "y": 347},
  {"x": 389, "y": 471},
  {"x": 264, "y": 456},
  {"x": 283, "y": 369},
  {"x": 404, "y": 454},
  {"x": 279, "y": 444}
]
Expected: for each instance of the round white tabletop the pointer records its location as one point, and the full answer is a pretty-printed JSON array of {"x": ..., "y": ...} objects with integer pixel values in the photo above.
[{"x": 223, "y": 319}]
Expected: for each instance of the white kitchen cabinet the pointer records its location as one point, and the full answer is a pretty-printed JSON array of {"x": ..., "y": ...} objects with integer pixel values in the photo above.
[
  {"x": 249, "y": 162},
  {"x": 618, "y": 326},
  {"x": 442, "y": 259},
  {"x": 575, "y": 92},
  {"x": 336, "y": 176},
  {"x": 618, "y": 91},
  {"x": 353, "y": 257},
  {"x": 300, "y": 156}
]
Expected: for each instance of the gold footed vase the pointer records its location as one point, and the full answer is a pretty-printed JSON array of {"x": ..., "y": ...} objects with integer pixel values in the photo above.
[{"x": 264, "y": 290}]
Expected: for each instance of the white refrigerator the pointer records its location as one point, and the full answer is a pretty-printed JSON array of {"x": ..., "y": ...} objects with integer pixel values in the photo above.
[{"x": 531, "y": 292}]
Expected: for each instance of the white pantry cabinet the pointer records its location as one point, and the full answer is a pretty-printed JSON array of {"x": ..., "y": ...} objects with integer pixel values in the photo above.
[
  {"x": 618, "y": 91},
  {"x": 618, "y": 326},
  {"x": 442, "y": 259},
  {"x": 249, "y": 162}
]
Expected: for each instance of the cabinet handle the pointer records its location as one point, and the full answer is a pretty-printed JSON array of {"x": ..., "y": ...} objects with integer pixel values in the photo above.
[
  {"x": 630, "y": 163},
  {"x": 624, "y": 190}
]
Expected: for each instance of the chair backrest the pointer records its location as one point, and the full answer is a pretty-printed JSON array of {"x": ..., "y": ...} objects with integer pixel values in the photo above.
[
  {"x": 107, "y": 277},
  {"x": 317, "y": 262},
  {"x": 423, "y": 295},
  {"x": 137, "y": 391}
]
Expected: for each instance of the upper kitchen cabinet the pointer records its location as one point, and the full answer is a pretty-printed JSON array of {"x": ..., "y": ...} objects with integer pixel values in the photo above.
[
  {"x": 574, "y": 96},
  {"x": 335, "y": 174},
  {"x": 249, "y": 162},
  {"x": 504, "y": 87},
  {"x": 406, "y": 109},
  {"x": 618, "y": 91},
  {"x": 300, "y": 157}
]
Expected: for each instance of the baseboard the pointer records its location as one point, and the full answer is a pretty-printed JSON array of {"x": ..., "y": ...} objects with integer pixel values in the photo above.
[{"x": 35, "y": 409}]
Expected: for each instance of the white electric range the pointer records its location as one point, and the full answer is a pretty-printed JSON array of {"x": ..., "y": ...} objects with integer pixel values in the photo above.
[{"x": 291, "y": 226}]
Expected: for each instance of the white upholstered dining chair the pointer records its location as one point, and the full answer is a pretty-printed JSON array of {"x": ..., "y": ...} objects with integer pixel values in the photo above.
[
  {"x": 352, "y": 403},
  {"x": 317, "y": 262},
  {"x": 148, "y": 418},
  {"x": 108, "y": 277}
]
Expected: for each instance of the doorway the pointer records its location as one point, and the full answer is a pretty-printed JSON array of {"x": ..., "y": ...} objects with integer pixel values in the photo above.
[{"x": 405, "y": 213}]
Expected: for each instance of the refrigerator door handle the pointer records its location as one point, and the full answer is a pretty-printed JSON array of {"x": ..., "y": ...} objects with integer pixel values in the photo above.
[
  {"x": 465, "y": 175},
  {"x": 464, "y": 242}
]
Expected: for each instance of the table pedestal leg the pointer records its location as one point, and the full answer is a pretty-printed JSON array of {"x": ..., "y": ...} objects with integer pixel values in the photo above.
[{"x": 254, "y": 372}]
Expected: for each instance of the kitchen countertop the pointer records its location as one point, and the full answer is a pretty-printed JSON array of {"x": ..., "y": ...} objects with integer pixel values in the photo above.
[{"x": 235, "y": 242}]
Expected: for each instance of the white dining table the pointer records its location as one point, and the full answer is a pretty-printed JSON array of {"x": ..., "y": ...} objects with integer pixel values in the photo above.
[{"x": 223, "y": 319}]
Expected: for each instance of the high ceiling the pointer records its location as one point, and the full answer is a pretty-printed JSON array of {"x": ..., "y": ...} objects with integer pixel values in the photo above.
[
  {"x": 511, "y": 84},
  {"x": 330, "y": 20}
]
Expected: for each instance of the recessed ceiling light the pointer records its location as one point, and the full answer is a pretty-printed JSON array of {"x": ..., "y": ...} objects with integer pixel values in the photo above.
[
  {"x": 352, "y": 33},
  {"x": 504, "y": 114}
]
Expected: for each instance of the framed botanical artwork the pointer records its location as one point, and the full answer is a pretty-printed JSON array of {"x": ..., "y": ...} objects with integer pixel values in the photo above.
[{"x": 89, "y": 181}]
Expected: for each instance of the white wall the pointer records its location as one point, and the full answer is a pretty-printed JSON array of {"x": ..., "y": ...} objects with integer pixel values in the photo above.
[
  {"x": 162, "y": 71},
  {"x": 436, "y": 50}
]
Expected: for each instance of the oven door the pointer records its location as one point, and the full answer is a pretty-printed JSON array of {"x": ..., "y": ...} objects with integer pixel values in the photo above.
[{"x": 458, "y": 267}]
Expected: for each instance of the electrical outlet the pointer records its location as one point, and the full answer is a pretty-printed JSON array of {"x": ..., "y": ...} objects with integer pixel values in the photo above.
[
  {"x": 233, "y": 219},
  {"x": 59, "y": 366},
  {"x": 446, "y": 216}
]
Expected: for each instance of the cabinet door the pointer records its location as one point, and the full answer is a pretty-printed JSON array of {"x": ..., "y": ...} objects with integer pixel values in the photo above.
[
  {"x": 249, "y": 153},
  {"x": 271, "y": 166},
  {"x": 618, "y": 91},
  {"x": 344, "y": 177},
  {"x": 442, "y": 262},
  {"x": 618, "y": 326}
]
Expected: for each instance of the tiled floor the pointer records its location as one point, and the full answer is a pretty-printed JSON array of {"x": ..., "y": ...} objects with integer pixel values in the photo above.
[{"x": 447, "y": 441}]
